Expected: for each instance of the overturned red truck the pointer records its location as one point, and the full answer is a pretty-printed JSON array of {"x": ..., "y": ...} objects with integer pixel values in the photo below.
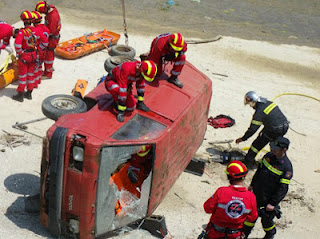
[{"x": 85, "y": 192}]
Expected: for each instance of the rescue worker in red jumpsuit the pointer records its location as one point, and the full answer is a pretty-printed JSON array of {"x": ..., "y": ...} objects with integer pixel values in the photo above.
[
  {"x": 270, "y": 184},
  {"x": 52, "y": 21},
  {"x": 43, "y": 30},
  {"x": 25, "y": 46},
  {"x": 6, "y": 32},
  {"x": 233, "y": 208},
  {"x": 169, "y": 47},
  {"x": 271, "y": 117},
  {"x": 119, "y": 84},
  {"x": 140, "y": 164}
]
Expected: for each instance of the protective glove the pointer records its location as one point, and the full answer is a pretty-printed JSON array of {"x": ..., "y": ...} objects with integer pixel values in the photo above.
[
  {"x": 142, "y": 106},
  {"x": 120, "y": 116},
  {"x": 9, "y": 49},
  {"x": 132, "y": 175}
]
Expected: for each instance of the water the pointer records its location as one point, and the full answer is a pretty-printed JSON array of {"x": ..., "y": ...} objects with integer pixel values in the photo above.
[{"x": 286, "y": 21}]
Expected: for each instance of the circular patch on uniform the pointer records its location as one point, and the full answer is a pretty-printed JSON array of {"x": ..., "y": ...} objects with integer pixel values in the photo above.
[{"x": 235, "y": 208}]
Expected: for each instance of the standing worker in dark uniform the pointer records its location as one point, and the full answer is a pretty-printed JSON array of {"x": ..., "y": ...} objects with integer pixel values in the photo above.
[
  {"x": 271, "y": 182},
  {"x": 268, "y": 114}
]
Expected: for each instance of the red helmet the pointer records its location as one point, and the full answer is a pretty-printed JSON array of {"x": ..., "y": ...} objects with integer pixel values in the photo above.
[
  {"x": 36, "y": 16},
  {"x": 26, "y": 16},
  {"x": 236, "y": 169},
  {"x": 148, "y": 70},
  {"x": 176, "y": 41},
  {"x": 145, "y": 149},
  {"x": 42, "y": 7}
]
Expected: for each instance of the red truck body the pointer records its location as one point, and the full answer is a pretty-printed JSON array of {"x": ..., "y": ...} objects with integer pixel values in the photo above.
[{"x": 82, "y": 151}]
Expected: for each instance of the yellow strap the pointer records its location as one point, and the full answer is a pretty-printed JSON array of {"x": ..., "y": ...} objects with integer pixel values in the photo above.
[
  {"x": 285, "y": 181},
  {"x": 269, "y": 108},
  {"x": 249, "y": 224},
  {"x": 272, "y": 169},
  {"x": 256, "y": 122}
]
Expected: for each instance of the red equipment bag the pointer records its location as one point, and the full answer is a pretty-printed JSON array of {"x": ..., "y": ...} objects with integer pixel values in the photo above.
[{"x": 221, "y": 121}]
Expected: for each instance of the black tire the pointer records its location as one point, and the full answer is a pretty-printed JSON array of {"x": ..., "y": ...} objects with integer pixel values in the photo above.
[
  {"x": 57, "y": 105},
  {"x": 113, "y": 61},
  {"x": 122, "y": 50}
]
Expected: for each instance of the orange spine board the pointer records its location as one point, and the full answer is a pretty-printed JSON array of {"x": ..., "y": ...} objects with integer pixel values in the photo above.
[{"x": 86, "y": 44}]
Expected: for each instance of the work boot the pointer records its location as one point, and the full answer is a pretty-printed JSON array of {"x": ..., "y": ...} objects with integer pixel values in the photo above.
[
  {"x": 18, "y": 96},
  {"x": 45, "y": 77},
  {"x": 141, "y": 106},
  {"x": 174, "y": 80},
  {"x": 28, "y": 95}
]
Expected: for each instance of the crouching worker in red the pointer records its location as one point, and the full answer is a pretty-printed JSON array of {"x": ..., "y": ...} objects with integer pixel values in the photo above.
[
  {"x": 25, "y": 45},
  {"x": 140, "y": 165},
  {"x": 119, "y": 84},
  {"x": 233, "y": 208},
  {"x": 169, "y": 47}
]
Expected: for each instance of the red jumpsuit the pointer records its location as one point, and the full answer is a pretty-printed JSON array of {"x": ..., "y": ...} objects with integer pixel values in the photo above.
[
  {"x": 160, "y": 49},
  {"x": 41, "y": 46},
  {"x": 25, "y": 46},
  {"x": 5, "y": 34},
  {"x": 119, "y": 84},
  {"x": 52, "y": 21},
  {"x": 231, "y": 208}
]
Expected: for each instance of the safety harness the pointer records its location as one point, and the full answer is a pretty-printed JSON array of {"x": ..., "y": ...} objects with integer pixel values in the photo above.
[{"x": 221, "y": 121}]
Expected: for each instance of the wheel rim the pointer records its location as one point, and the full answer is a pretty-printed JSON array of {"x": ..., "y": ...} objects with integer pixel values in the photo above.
[
  {"x": 64, "y": 103},
  {"x": 123, "y": 48},
  {"x": 118, "y": 60}
]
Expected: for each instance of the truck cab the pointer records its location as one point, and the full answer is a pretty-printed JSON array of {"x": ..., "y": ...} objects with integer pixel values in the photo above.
[{"x": 86, "y": 190}]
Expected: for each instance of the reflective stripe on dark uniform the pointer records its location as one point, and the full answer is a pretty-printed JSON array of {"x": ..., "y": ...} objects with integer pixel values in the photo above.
[
  {"x": 269, "y": 115},
  {"x": 270, "y": 185},
  {"x": 275, "y": 124}
]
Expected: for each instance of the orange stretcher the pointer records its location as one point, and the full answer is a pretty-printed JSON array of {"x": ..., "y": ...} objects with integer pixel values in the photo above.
[
  {"x": 8, "y": 71},
  {"x": 86, "y": 44}
]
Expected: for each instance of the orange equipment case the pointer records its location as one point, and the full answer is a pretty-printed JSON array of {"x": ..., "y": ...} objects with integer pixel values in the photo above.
[{"x": 86, "y": 44}]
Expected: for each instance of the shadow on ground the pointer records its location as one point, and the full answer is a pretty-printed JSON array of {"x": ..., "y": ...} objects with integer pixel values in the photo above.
[{"x": 25, "y": 184}]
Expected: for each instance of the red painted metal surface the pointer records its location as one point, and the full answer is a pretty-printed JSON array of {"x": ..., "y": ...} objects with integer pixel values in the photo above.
[{"x": 184, "y": 112}]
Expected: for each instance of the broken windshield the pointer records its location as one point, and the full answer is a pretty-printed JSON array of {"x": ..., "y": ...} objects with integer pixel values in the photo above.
[
  {"x": 124, "y": 183},
  {"x": 138, "y": 127}
]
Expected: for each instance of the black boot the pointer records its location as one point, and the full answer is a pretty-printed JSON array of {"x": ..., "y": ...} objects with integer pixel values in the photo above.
[
  {"x": 174, "y": 80},
  {"x": 28, "y": 95},
  {"x": 141, "y": 106},
  {"x": 18, "y": 96}
]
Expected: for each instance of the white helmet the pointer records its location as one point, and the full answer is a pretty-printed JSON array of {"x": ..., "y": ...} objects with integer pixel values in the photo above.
[{"x": 252, "y": 97}]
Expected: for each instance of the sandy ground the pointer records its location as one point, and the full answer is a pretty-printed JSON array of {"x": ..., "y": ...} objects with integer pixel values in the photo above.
[{"x": 266, "y": 68}]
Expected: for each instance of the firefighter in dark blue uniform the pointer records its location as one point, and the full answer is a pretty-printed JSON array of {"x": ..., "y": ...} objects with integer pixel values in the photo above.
[
  {"x": 270, "y": 184},
  {"x": 270, "y": 116}
]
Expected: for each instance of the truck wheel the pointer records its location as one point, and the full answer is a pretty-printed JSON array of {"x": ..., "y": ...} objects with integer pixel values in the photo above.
[
  {"x": 57, "y": 105},
  {"x": 122, "y": 50},
  {"x": 113, "y": 61}
]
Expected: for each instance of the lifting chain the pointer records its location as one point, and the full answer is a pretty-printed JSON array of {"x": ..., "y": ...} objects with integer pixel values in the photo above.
[{"x": 125, "y": 24}]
